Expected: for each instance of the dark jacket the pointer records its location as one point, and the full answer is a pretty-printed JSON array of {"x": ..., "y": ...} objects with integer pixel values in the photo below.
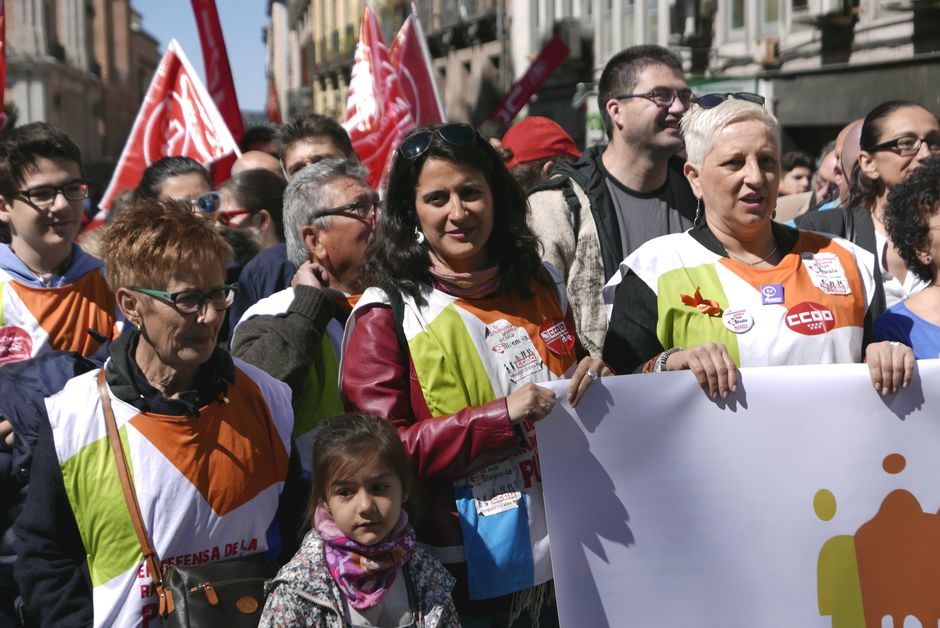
[
  {"x": 285, "y": 346},
  {"x": 50, "y": 569},
  {"x": 857, "y": 227},
  {"x": 591, "y": 176},
  {"x": 268, "y": 272},
  {"x": 23, "y": 386}
]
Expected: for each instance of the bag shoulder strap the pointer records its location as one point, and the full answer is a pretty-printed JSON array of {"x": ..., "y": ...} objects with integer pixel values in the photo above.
[{"x": 130, "y": 497}]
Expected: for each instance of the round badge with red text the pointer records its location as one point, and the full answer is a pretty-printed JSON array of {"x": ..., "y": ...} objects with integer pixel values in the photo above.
[
  {"x": 15, "y": 345},
  {"x": 557, "y": 336},
  {"x": 810, "y": 319}
]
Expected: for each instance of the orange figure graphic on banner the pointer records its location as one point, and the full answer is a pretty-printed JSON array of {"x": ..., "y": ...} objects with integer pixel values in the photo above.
[{"x": 890, "y": 568}]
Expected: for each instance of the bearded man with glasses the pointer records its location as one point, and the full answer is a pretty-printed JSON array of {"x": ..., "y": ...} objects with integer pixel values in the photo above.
[
  {"x": 50, "y": 291},
  {"x": 593, "y": 213},
  {"x": 296, "y": 334}
]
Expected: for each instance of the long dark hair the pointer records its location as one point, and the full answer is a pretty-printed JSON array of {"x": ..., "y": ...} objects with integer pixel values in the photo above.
[
  {"x": 397, "y": 262},
  {"x": 863, "y": 191}
]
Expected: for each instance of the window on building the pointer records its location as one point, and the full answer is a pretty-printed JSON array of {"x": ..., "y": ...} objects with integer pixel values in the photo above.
[
  {"x": 535, "y": 24},
  {"x": 651, "y": 33},
  {"x": 607, "y": 26},
  {"x": 628, "y": 25},
  {"x": 770, "y": 16},
  {"x": 736, "y": 19}
]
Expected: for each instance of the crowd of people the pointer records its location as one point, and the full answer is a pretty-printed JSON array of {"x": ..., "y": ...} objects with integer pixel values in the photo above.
[{"x": 344, "y": 381}]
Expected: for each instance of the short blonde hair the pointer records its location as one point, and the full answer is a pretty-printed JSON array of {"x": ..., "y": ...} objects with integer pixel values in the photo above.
[
  {"x": 700, "y": 126},
  {"x": 151, "y": 241}
]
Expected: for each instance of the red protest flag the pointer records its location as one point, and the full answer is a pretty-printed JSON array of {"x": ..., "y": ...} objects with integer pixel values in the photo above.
[
  {"x": 274, "y": 109},
  {"x": 377, "y": 113},
  {"x": 522, "y": 90},
  {"x": 410, "y": 56},
  {"x": 177, "y": 118},
  {"x": 219, "y": 79}
]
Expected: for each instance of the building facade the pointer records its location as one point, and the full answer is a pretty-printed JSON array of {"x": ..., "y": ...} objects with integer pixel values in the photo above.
[
  {"x": 83, "y": 66},
  {"x": 848, "y": 54}
]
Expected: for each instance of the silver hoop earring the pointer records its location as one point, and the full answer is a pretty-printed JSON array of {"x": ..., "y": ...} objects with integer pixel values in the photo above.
[
  {"x": 699, "y": 211},
  {"x": 419, "y": 236}
]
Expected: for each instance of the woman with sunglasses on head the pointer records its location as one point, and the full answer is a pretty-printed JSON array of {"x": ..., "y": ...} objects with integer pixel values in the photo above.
[
  {"x": 208, "y": 438},
  {"x": 897, "y": 137},
  {"x": 738, "y": 289},
  {"x": 912, "y": 219},
  {"x": 463, "y": 323}
]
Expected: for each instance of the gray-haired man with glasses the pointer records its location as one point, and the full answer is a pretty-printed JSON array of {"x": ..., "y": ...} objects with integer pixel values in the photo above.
[
  {"x": 295, "y": 334},
  {"x": 593, "y": 213}
]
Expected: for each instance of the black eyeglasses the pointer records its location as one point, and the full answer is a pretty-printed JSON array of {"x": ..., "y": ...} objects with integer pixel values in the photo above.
[
  {"x": 192, "y": 301},
  {"x": 207, "y": 203},
  {"x": 456, "y": 133},
  {"x": 362, "y": 208},
  {"x": 44, "y": 195},
  {"x": 909, "y": 146},
  {"x": 662, "y": 96},
  {"x": 710, "y": 101}
]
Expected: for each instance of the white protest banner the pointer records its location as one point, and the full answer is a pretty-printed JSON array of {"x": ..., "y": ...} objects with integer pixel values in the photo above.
[{"x": 804, "y": 500}]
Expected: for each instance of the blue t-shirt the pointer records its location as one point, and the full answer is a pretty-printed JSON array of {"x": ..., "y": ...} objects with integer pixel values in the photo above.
[{"x": 902, "y": 325}]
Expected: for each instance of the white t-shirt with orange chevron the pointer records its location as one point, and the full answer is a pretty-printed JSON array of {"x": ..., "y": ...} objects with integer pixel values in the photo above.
[
  {"x": 208, "y": 487},
  {"x": 40, "y": 316},
  {"x": 808, "y": 309}
]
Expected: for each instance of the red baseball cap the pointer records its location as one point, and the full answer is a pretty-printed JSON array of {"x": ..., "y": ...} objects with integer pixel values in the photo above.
[{"x": 537, "y": 137}]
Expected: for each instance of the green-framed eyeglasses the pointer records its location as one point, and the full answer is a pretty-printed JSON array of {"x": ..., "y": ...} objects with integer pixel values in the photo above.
[{"x": 192, "y": 301}]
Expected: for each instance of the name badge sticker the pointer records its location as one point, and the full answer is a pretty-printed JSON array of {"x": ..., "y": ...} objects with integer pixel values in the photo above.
[
  {"x": 557, "y": 336},
  {"x": 496, "y": 488},
  {"x": 513, "y": 349},
  {"x": 739, "y": 321},
  {"x": 771, "y": 294},
  {"x": 826, "y": 272}
]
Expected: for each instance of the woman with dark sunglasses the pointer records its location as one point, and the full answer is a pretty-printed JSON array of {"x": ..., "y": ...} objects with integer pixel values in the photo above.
[
  {"x": 738, "y": 289},
  {"x": 450, "y": 345},
  {"x": 897, "y": 138}
]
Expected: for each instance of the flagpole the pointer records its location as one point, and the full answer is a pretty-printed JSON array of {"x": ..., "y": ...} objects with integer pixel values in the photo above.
[{"x": 419, "y": 34}]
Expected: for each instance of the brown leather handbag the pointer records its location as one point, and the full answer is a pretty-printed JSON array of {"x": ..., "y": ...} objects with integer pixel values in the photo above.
[{"x": 228, "y": 593}]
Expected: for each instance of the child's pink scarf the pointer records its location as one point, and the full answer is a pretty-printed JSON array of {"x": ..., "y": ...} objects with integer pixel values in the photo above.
[{"x": 364, "y": 572}]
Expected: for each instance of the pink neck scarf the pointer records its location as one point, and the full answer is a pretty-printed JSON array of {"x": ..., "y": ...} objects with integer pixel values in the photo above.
[
  {"x": 472, "y": 285},
  {"x": 364, "y": 572}
]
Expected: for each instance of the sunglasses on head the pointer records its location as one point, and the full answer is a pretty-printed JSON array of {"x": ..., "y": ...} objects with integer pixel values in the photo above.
[
  {"x": 457, "y": 134},
  {"x": 709, "y": 101}
]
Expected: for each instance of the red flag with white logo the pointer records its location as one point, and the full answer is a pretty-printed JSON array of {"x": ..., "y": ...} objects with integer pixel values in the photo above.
[
  {"x": 410, "y": 56},
  {"x": 219, "y": 79},
  {"x": 377, "y": 113},
  {"x": 177, "y": 118},
  {"x": 3, "y": 60}
]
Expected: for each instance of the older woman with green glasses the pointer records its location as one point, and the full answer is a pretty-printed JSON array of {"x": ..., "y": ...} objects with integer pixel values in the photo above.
[
  {"x": 207, "y": 439},
  {"x": 738, "y": 289}
]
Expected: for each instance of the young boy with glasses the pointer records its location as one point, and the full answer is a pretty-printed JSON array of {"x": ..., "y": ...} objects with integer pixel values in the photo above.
[{"x": 51, "y": 292}]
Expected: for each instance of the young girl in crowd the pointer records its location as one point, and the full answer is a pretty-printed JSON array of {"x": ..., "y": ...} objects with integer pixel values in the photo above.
[{"x": 359, "y": 566}]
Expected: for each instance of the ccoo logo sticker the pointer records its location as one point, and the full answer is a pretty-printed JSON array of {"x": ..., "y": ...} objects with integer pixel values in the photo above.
[{"x": 810, "y": 319}]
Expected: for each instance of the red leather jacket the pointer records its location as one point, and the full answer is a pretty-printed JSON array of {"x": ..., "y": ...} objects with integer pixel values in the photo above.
[{"x": 377, "y": 380}]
